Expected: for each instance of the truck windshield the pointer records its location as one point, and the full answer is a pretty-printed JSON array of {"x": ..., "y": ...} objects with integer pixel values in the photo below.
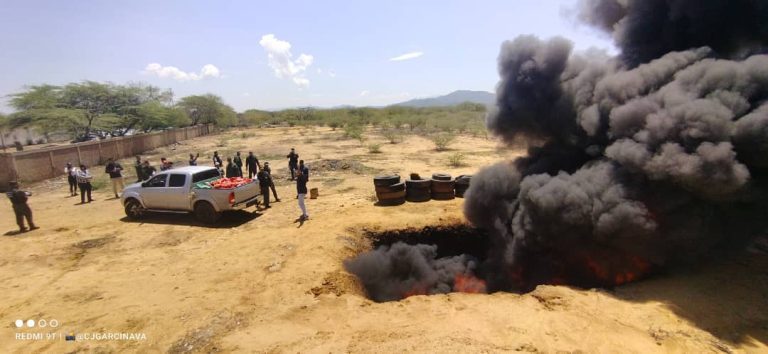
[{"x": 204, "y": 175}]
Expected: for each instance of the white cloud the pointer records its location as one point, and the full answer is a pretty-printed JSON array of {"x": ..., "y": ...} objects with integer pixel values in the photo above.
[
  {"x": 172, "y": 72},
  {"x": 281, "y": 60},
  {"x": 331, "y": 73},
  {"x": 364, "y": 93},
  {"x": 407, "y": 56}
]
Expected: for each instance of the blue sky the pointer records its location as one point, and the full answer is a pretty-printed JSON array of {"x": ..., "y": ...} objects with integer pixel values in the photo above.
[{"x": 340, "y": 51}]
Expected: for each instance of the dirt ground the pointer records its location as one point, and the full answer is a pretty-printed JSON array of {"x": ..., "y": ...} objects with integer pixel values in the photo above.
[{"x": 262, "y": 282}]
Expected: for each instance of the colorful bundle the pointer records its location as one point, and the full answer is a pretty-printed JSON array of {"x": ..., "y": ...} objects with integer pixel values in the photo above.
[{"x": 229, "y": 183}]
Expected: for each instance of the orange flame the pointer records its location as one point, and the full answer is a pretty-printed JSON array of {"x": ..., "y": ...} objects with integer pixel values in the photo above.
[{"x": 468, "y": 284}]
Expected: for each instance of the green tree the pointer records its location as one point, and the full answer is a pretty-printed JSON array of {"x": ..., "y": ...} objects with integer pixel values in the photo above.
[
  {"x": 92, "y": 107},
  {"x": 208, "y": 108}
]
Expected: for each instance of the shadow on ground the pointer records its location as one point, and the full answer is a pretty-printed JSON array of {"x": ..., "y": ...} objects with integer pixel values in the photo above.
[{"x": 228, "y": 219}]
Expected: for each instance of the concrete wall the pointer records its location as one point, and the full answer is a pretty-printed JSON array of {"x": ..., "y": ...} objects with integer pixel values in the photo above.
[{"x": 38, "y": 165}]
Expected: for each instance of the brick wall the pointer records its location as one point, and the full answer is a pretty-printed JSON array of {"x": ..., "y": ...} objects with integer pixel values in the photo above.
[{"x": 38, "y": 165}]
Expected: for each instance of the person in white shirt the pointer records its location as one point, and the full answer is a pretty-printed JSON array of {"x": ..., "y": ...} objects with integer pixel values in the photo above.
[{"x": 84, "y": 182}]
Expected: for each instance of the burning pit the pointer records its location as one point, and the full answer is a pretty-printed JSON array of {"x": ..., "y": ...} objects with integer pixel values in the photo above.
[{"x": 462, "y": 258}]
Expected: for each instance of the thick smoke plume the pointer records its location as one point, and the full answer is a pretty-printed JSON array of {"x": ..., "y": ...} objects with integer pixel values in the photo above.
[{"x": 654, "y": 157}]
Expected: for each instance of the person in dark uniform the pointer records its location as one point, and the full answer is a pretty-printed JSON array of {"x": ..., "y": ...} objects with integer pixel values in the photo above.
[
  {"x": 232, "y": 170},
  {"x": 193, "y": 159},
  {"x": 264, "y": 181},
  {"x": 239, "y": 163},
  {"x": 20, "y": 208},
  {"x": 71, "y": 172},
  {"x": 271, "y": 181},
  {"x": 147, "y": 170},
  {"x": 293, "y": 162},
  {"x": 304, "y": 169},
  {"x": 301, "y": 190},
  {"x": 252, "y": 164},
  {"x": 140, "y": 176}
]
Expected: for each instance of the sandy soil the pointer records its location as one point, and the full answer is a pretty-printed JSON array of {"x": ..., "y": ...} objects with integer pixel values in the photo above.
[{"x": 261, "y": 282}]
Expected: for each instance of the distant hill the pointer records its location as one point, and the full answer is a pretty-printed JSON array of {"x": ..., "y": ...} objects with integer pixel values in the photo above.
[{"x": 452, "y": 99}]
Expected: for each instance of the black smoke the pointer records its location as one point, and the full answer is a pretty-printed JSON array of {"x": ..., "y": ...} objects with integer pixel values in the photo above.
[
  {"x": 400, "y": 270},
  {"x": 648, "y": 29},
  {"x": 652, "y": 158}
]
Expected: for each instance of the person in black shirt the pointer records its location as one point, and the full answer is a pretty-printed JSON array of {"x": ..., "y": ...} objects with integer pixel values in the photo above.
[
  {"x": 140, "y": 176},
  {"x": 304, "y": 169},
  {"x": 239, "y": 163},
  {"x": 116, "y": 175},
  {"x": 231, "y": 168},
  {"x": 252, "y": 164},
  {"x": 193, "y": 159},
  {"x": 271, "y": 181},
  {"x": 20, "y": 208},
  {"x": 147, "y": 170},
  {"x": 264, "y": 181},
  {"x": 293, "y": 161},
  {"x": 301, "y": 189}
]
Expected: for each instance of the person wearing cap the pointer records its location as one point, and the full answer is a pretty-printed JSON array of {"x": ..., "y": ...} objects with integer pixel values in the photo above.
[
  {"x": 84, "y": 182},
  {"x": 293, "y": 163},
  {"x": 271, "y": 181},
  {"x": 115, "y": 171},
  {"x": 20, "y": 207},
  {"x": 71, "y": 172}
]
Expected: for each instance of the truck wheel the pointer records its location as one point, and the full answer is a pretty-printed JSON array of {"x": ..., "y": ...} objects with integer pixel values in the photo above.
[
  {"x": 205, "y": 212},
  {"x": 133, "y": 209}
]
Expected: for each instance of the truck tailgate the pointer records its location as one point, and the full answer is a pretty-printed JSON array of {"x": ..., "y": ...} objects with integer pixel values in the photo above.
[{"x": 246, "y": 192}]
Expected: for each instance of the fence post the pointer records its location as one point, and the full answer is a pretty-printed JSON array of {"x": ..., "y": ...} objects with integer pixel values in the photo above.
[
  {"x": 101, "y": 156},
  {"x": 79, "y": 156},
  {"x": 53, "y": 166}
]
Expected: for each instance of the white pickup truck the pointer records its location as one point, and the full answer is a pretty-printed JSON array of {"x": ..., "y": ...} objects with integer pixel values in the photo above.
[{"x": 184, "y": 190}]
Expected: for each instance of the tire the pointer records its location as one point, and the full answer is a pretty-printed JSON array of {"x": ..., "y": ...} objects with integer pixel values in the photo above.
[
  {"x": 460, "y": 191},
  {"x": 441, "y": 177},
  {"x": 392, "y": 202},
  {"x": 383, "y": 181},
  {"x": 418, "y": 183},
  {"x": 463, "y": 180},
  {"x": 206, "y": 213},
  {"x": 443, "y": 196},
  {"x": 133, "y": 209},
  {"x": 418, "y": 196},
  {"x": 389, "y": 189},
  {"x": 442, "y": 186},
  {"x": 390, "y": 196}
]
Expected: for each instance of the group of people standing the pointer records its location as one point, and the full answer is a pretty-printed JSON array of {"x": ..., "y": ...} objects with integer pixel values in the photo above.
[
  {"x": 80, "y": 178},
  {"x": 299, "y": 173}
]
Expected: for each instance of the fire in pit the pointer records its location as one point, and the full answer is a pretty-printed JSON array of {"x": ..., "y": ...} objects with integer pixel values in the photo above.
[{"x": 461, "y": 258}]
